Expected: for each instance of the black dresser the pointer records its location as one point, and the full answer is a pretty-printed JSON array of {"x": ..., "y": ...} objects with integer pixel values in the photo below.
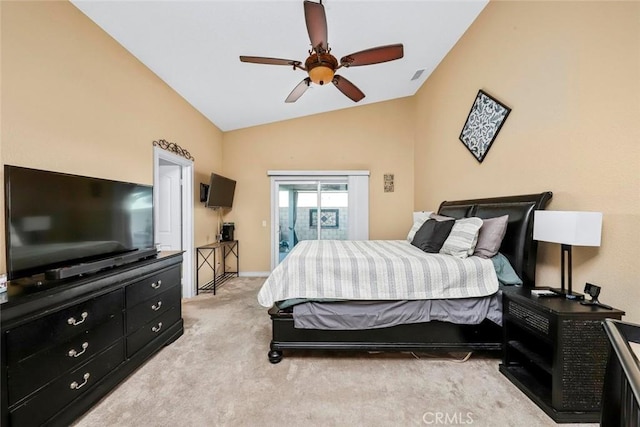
[{"x": 66, "y": 344}]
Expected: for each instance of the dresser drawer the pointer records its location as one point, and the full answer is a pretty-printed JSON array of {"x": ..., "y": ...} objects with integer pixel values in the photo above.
[
  {"x": 152, "y": 329},
  {"x": 59, "y": 327},
  {"x": 151, "y": 308},
  {"x": 152, "y": 286},
  {"x": 30, "y": 374},
  {"x": 55, "y": 396}
]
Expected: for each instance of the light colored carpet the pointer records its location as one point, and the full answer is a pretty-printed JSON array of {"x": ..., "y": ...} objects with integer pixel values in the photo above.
[{"x": 218, "y": 374}]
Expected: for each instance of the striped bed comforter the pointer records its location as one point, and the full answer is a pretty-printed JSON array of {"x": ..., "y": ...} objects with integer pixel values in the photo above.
[{"x": 375, "y": 270}]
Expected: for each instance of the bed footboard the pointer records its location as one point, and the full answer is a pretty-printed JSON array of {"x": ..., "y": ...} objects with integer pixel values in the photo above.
[{"x": 416, "y": 337}]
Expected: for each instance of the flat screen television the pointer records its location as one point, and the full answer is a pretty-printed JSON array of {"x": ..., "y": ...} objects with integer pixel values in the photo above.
[
  {"x": 56, "y": 220},
  {"x": 221, "y": 191}
]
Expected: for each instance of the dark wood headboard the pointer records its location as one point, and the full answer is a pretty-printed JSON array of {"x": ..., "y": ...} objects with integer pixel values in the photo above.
[{"x": 518, "y": 244}]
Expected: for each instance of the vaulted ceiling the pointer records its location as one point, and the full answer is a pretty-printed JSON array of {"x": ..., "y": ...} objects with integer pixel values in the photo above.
[{"x": 194, "y": 46}]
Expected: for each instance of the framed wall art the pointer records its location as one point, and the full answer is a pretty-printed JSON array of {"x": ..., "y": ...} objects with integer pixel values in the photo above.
[
  {"x": 329, "y": 218},
  {"x": 483, "y": 123},
  {"x": 388, "y": 183}
]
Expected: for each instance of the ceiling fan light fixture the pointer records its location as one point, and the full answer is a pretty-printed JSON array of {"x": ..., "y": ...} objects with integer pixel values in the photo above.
[
  {"x": 321, "y": 67},
  {"x": 321, "y": 74}
]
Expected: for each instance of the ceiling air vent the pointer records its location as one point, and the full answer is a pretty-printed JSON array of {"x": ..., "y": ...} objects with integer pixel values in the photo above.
[{"x": 417, "y": 75}]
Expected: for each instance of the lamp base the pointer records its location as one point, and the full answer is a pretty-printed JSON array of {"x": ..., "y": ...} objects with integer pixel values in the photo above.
[
  {"x": 596, "y": 303},
  {"x": 568, "y": 294}
]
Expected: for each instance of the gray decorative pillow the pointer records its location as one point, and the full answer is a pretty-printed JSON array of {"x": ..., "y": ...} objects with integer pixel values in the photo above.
[
  {"x": 463, "y": 237},
  {"x": 491, "y": 235},
  {"x": 432, "y": 235}
]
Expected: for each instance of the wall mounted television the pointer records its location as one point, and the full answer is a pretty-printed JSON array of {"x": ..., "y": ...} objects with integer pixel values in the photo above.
[
  {"x": 221, "y": 192},
  {"x": 57, "y": 221}
]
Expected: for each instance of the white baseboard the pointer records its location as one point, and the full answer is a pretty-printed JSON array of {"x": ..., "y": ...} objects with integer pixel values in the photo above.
[{"x": 254, "y": 273}]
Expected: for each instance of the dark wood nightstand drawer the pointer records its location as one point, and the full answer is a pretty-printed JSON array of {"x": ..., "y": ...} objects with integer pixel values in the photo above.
[
  {"x": 152, "y": 286},
  {"x": 57, "y": 328},
  {"x": 152, "y": 329},
  {"x": 44, "y": 404},
  {"x": 30, "y": 374},
  {"x": 534, "y": 319}
]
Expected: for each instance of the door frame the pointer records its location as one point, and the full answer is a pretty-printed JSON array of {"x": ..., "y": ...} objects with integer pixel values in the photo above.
[
  {"x": 275, "y": 209},
  {"x": 299, "y": 177},
  {"x": 188, "y": 285}
]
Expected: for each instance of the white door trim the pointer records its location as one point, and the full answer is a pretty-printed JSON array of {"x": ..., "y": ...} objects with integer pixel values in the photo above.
[
  {"x": 358, "y": 217},
  {"x": 316, "y": 173},
  {"x": 188, "y": 285}
]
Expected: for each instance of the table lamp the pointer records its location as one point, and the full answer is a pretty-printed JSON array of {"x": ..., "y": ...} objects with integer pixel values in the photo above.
[{"x": 569, "y": 229}]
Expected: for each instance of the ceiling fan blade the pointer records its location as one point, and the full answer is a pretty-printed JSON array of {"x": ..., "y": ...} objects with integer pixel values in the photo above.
[
  {"x": 374, "y": 55},
  {"x": 348, "y": 88},
  {"x": 269, "y": 61},
  {"x": 297, "y": 91},
  {"x": 316, "y": 24}
]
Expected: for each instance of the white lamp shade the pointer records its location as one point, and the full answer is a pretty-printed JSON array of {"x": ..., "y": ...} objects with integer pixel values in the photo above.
[{"x": 567, "y": 227}]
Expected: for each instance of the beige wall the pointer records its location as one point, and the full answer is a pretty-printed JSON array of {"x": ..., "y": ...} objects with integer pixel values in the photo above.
[
  {"x": 571, "y": 73},
  {"x": 74, "y": 100},
  {"x": 376, "y": 137}
]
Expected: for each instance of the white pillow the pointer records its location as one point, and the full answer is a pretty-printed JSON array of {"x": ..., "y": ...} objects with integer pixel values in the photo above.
[
  {"x": 418, "y": 219},
  {"x": 463, "y": 238}
]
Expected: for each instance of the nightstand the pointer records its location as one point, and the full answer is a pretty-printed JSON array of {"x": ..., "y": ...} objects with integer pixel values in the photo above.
[{"x": 555, "y": 351}]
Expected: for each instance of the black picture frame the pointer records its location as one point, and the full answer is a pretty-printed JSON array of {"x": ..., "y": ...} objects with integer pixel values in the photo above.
[
  {"x": 485, "y": 119},
  {"x": 329, "y": 218}
]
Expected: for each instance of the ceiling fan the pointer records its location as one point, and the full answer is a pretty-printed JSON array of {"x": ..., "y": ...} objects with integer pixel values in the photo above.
[{"x": 321, "y": 65}]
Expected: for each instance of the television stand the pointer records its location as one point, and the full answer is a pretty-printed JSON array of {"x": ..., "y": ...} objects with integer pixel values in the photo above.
[
  {"x": 66, "y": 347},
  {"x": 101, "y": 264}
]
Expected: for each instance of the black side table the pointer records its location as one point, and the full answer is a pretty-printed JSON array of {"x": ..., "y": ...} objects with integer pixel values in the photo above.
[
  {"x": 555, "y": 351},
  {"x": 206, "y": 256}
]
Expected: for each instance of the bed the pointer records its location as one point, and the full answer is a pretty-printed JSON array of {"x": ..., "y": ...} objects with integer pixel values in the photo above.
[{"x": 518, "y": 247}]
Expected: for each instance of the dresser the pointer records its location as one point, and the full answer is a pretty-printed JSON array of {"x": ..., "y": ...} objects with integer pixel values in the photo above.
[{"x": 66, "y": 344}]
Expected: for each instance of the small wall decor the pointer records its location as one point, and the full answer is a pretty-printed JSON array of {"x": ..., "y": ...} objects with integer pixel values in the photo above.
[
  {"x": 328, "y": 218},
  {"x": 173, "y": 148},
  {"x": 485, "y": 120},
  {"x": 388, "y": 183}
]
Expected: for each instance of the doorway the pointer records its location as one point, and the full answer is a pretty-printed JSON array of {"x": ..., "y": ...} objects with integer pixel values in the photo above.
[
  {"x": 311, "y": 210},
  {"x": 169, "y": 206},
  {"x": 173, "y": 210},
  {"x": 317, "y": 205}
]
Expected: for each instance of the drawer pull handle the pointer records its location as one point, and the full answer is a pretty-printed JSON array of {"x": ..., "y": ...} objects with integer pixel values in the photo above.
[
  {"x": 156, "y": 307},
  {"x": 156, "y": 285},
  {"x": 73, "y": 322},
  {"x": 156, "y": 329},
  {"x": 75, "y": 386},
  {"x": 74, "y": 353}
]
